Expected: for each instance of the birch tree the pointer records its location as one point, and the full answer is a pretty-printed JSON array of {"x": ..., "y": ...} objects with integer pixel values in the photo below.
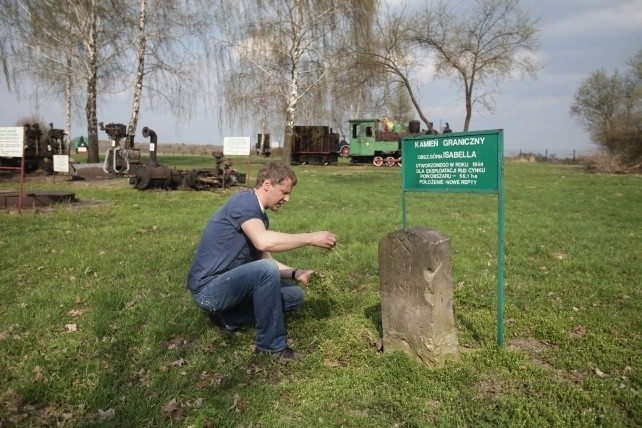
[
  {"x": 169, "y": 46},
  {"x": 140, "y": 70},
  {"x": 21, "y": 27},
  {"x": 86, "y": 46},
  {"x": 59, "y": 42},
  {"x": 89, "y": 18},
  {"x": 276, "y": 55},
  {"x": 4, "y": 57}
]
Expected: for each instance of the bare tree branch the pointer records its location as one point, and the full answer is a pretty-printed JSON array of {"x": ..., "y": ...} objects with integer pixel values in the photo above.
[{"x": 480, "y": 48}]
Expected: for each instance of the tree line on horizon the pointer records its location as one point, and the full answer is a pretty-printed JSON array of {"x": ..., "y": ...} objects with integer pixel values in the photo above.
[{"x": 275, "y": 61}]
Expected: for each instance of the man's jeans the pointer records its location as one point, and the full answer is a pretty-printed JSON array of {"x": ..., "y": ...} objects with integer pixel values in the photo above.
[{"x": 253, "y": 294}]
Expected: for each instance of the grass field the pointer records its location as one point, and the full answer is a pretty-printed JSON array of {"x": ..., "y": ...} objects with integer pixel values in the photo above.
[{"x": 96, "y": 328}]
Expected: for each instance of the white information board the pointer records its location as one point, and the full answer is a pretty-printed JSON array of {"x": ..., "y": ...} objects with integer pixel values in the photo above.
[
  {"x": 61, "y": 163},
  {"x": 236, "y": 146},
  {"x": 12, "y": 141}
]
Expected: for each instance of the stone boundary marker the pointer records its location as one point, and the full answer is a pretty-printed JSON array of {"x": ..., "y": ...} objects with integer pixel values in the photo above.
[{"x": 415, "y": 272}]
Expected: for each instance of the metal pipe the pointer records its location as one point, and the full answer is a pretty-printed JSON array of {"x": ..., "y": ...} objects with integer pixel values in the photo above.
[
  {"x": 153, "y": 146},
  {"x": 106, "y": 162}
]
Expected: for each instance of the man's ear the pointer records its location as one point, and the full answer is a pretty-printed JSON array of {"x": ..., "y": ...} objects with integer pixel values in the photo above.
[{"x": 266, "y": 184}]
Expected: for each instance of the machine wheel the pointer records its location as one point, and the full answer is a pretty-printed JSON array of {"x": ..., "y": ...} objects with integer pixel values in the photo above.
[
  {"x": 377, "y": 161},
  {"x": 196, "y": 179},
  {"x": 143, "y": 178},
  {"x": 399, "y": 161},
  {"x": 390, "y": 161},
  {"x": 200, "y": 180}
]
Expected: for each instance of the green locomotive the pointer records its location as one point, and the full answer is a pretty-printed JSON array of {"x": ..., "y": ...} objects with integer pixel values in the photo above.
[{"x": 377, "y": 141}]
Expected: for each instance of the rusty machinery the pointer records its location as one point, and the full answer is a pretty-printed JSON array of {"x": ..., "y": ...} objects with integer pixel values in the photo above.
[
  {"x": 56, "y": 140},
  {"x": 35, "y": 153},
  {"x": 155, "y": 175},
  {"x": 119, "y": 160},
  {"x": 38, "y": 152}
]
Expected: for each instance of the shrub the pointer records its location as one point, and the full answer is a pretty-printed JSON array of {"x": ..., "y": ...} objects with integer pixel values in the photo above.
[{"x": 609, "y": 163}]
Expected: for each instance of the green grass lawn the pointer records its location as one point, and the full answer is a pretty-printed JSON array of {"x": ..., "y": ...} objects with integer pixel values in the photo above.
[{"x": 97, "y": 329}]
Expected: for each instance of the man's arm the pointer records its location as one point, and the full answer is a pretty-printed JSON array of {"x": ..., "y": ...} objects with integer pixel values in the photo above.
[
  {"x": 288, "y": 272},
  {"x": 268, "y": 241}
]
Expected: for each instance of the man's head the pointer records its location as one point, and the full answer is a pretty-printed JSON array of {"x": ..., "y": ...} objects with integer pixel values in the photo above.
[
  {"x": 276, "y": 172},
  {"x": 274, "y": 184}
]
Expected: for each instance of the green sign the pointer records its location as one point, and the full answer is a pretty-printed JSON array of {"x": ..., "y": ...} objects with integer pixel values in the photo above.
[
  {"x": 460, "y": 162},
  {"x": 457, "y": 162}
]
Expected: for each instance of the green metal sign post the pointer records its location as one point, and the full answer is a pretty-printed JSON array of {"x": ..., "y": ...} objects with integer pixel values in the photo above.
[{"x": 460, "y": 162}]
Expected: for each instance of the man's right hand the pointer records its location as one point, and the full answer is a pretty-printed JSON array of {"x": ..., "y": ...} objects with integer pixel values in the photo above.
[{"x": 323, "y": 239}]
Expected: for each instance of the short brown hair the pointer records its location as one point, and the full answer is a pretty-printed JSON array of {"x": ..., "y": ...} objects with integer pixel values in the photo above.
[{"x": 276, "y": 172}]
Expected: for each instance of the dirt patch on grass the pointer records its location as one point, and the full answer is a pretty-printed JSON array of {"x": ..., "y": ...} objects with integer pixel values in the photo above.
[
  {"x": 490, "y": 387},
  {"x": 533, "y": 347},
  {"x": 72, "y": 206}
]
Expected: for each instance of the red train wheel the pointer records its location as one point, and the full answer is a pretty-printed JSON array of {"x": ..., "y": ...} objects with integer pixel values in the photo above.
[
  {"x": 377, "y": 161},
  {"x": 390, "y": 161}
]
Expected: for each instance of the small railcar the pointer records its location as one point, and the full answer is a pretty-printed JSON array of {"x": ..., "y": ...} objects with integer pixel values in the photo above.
[{"x": 315, "y": 145}]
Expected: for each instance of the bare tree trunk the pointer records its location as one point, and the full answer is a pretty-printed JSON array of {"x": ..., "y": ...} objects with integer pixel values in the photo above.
[
  {"x": 289, "y": 132},
  {"x": 294, "y": 84},
  {"x": 92, "y": 122},
  {"x": 138, "y": 89},
  {"x": 469, "y": 113},
  {"x": 262, "y": 145},
  {"x": 468, "y": 89},
  {"x": 68, "y": 86},
  {"x": 415, "y": 103},
  {"x": 287, "y": 140}
]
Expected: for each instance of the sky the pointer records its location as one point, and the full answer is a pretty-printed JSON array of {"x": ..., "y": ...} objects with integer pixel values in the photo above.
[{"x": 578, "y": 37}]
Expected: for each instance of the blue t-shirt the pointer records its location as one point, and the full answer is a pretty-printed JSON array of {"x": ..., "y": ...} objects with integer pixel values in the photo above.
[{"x": 223, "y": 245}]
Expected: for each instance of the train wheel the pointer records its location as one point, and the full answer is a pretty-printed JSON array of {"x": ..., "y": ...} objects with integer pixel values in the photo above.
[
  {"x": 390, "y": 161},
  {"x": 399, "y": 161},
  {"x": 344, "y": 151},
  {"x": 377, "y": 161}
]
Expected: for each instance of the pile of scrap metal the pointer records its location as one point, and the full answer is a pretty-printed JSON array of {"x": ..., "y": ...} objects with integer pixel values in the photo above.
[
  {"x": 157, "y": 176},
  {"x": 39, "y": 149}
]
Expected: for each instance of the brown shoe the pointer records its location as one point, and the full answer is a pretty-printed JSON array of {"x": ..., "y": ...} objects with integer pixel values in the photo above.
[{"x": 284, "y": 356}]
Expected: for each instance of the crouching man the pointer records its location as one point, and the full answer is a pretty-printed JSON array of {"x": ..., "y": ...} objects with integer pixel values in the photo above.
[{"x": 234, "y": 277}]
